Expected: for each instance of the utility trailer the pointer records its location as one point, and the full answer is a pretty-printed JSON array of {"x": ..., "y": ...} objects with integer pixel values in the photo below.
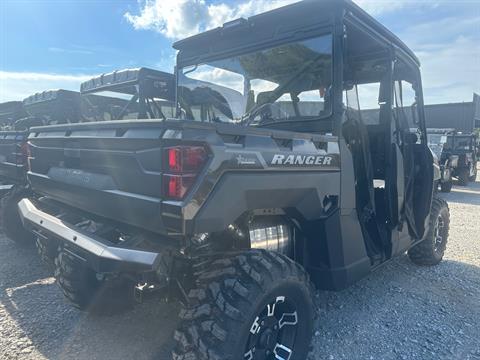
[{"x": 251, "y": 194}]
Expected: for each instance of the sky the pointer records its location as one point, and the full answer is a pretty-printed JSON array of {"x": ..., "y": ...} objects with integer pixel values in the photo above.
[{"x": 51, "y": 44}]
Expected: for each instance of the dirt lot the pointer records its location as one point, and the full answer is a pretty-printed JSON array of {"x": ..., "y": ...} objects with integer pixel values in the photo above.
[{"x": 399, "y": 312}]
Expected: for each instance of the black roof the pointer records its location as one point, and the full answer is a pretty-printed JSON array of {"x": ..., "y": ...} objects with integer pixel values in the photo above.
[
  {"x": 304, "y": 16},
  {"x": 125, "y": 81},
  {"x": 51, "y": 95},
  {"x": 11, "y": 111}
]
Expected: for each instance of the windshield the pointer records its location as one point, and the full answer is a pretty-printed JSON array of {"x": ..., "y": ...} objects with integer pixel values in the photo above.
[
  {"x": 459, "y": 143},
  {"x": 291, "y": 82},
  {"x": 436, "y": 143}
]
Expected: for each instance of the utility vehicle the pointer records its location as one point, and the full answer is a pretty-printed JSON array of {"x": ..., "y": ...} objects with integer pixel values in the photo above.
[
  {"x": 267, "y": 181},
  {"x": 44, "y": 108},
  {"x": 437, "y": 138},
  {"x": 464, "y": 148},
  {"x": 141, "y": 93},
  {"x": 10, "y": 112}
]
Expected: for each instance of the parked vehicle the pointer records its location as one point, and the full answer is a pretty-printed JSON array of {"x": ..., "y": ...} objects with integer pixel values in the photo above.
[
  {"x": 437, "y": 138},
  {"x": 141, "y": 93},
  {"x": 464, "y": 149},
  {"x": 10, "y": 112},
  {"x": 264, "y": 184},
  {"x": 48, "y": 107}
]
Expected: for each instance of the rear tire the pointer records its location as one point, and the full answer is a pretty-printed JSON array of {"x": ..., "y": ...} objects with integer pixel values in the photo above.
[
  {"x": 473, "y": 178},
  {"x": 464, "y": 177},
  {"x": 11, "y": 222},
  {"x": 248, "y": 305},
  {"x": 432, "y": 248},
  {"x": 87, "y": 292},
  {"x": 48, "y": 251},
  {"x": 446, "y": 187}
]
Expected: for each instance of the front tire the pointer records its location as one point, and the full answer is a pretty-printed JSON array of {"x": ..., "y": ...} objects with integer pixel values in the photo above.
[
  {"x": 473, "y": 178},
  {"x": 85, "y": 291},
  {"x": 256, "y": 305},
  {"x": 432, "y": 248},
  {"x": 464, "y": 177},
  {"x": 11, "y": 222},
  {"x": 446, "y": 187}
]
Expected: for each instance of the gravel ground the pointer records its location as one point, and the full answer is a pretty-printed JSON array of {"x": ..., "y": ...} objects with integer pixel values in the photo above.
[{"x": 399, "y": 312}]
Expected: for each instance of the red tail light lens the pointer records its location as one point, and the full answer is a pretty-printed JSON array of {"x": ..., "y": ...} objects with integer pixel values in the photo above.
[
  {"x": 185, "y": 158},
  {"x": 174, "y": 156},
  {"x": 177, "y": 186},
  {"x": 182, "y": 165}
]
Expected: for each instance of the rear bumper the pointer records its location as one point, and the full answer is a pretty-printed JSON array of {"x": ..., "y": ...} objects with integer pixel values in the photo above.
[{"x": 100, "y": 255}]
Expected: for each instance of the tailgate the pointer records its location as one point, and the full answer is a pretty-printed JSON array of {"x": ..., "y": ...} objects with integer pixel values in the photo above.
[
  {"x": 111, "y": 169},
  {"x": 12, "y": 158}
]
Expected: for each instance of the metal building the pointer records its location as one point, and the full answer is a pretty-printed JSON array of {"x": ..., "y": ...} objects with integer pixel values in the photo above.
[{"x": 464, "y": 117}]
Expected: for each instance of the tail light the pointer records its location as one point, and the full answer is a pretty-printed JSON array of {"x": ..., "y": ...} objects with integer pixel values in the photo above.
[{"x": 182, "y": 166}]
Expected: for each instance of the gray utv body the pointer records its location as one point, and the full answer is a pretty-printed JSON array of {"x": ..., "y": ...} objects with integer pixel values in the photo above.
[
  {"x": 462, "y": 150},
  {"x": 314, "y": 177}
]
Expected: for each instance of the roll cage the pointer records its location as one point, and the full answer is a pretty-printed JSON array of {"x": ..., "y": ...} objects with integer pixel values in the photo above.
[
  {"x": 150, "y": 92},
  {"x": 356, "y": 37}
]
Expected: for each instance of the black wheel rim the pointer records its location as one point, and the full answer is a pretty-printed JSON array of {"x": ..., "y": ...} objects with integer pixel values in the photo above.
[
  {"x": 438, "y": 234},
  {"x": 273, "y": 333}
]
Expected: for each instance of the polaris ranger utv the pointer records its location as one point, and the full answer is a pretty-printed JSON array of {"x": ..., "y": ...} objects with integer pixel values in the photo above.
[
  {"x": 464, "y": 149},
  {"x": 48, "y": 107},
  {"x": 10, "y": 112},
  {"x": 140, "y": 94},
  {"x": 437, "y": 138},
  {"x": 268, "y": 180}
]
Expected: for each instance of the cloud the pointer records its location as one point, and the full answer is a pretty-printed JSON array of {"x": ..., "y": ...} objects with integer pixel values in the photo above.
[
  {"x": 450, "y": 55},
  {"x": 182, "y": 18},
  {"x": 19, "y": 85},
  {"x": 70, "y": 51}
]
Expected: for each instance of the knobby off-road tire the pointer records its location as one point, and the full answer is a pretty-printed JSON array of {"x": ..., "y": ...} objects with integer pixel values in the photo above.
[
  {"x": 10, "y": 217},
  {"x": 446, "y": 187},
  {"x": 431, "y": 250},
  {"x": 473, "y": 178},
  {"x": 48, "y": 251},
  {"x": 255, "y": 305},
  {"x": 87, "y": 292},
  {"x": 464, "y": 177}
]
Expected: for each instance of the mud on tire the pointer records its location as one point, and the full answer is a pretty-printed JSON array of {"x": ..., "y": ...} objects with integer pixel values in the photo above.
[
  {"x": 254, "y": 305},
  {"x": 87, "y": 292},
  {"x": 431, "y": 250},
  {"x": 10, "y": 217}
]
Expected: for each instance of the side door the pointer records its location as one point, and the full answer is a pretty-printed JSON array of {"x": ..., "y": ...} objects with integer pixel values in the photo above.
[
  {"x": 395, "y": 170},
  {"x": 411, "y": 146}
]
